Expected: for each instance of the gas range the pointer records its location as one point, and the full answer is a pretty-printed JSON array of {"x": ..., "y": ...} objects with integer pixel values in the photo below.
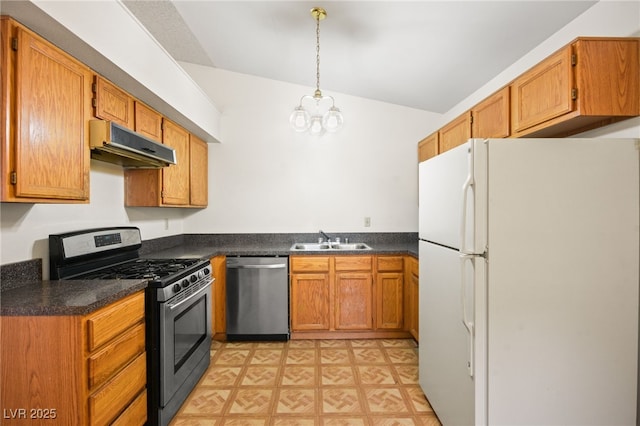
[{"x": 178, "y": 304}]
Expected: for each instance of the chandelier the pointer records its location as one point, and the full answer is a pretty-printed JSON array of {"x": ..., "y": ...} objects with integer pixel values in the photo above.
[{"x": 317, "y": 113}]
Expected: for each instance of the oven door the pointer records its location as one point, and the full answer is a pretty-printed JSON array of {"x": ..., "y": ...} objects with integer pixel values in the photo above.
[{"x": 185, "y": 337}]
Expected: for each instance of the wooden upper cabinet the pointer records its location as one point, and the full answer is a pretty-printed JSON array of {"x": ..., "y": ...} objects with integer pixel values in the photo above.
[
  {"x": 199, "y": 175},
  {"x": 175, "y": 179},
  {"x": 589, "y": 83},
  {"x": 148, "y": 122},
  {"x": 428, "y": 147},
  {"x": 46, "y": 107},
  {"x": 455, "y": 133},
  {"x": 490, "y": 118},
  {"x": 544, "y": 92},
  {"x": 112, "y": 103}
]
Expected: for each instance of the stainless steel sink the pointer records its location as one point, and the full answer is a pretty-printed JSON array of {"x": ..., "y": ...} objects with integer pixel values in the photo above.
[{"x": 328, "y": 246}]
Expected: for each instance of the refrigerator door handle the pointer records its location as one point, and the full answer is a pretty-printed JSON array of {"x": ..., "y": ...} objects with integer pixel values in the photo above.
[
  {"x": 466, "y": 187},
  {"x": 466, "y": 321}
]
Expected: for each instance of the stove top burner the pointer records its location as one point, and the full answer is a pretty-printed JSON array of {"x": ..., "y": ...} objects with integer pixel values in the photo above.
[{"x": 153, "y": 269}]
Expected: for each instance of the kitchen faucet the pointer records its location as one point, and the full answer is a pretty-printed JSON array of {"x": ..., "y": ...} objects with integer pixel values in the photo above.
[{"x": 325, "y": 235}]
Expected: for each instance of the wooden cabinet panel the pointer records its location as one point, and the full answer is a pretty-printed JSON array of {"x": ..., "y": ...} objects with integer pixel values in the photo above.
[
  {"x": 135, "y": 414},
  {"x": 310, "y": 301},
  {"x": 412, "y": 297},
  {"x": 148, "y": 122},
  {"x": 219, "y": 306},
  {"x": 198, "y": 173},
  {"x": 428, "y": 147},
  {"x": 114, "y": 319},
  {"x": 46, "y": 107},
  {"x": 389, "y": 263},
  {"x": 309, "y": 263},
  {"x": 608, "y": 76},
  {"x": 544, "y": 92},
  {"x": 353, "y": 301},
  {"x": 455, "y": 133},
  {"x": 353, "y": 263},
  {"x": 119, "y": 392},
  {"x": 110, "y": 359},
  {"x": 113, "y": 104},
  {"x": 389, "y": 300},
  {"x": 490, "y": 118},
  {"x": 175, "y": 179}
]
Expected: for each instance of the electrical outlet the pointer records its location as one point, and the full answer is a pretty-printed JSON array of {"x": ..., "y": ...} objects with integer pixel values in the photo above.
[{"x": 367, "y": 222}]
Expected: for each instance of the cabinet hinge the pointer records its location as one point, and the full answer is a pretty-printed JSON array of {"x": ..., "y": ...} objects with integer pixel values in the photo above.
[
  {"x": 94, "y": 103},
  {"x": 94, "y": 87},
  {"x": 574, "y": 59},
  {"x": 574, "y": 94},
  {"x": 471, "y": 121},
  {"x": 13, "y": 178},
  {"x": 14, "y": 43}
]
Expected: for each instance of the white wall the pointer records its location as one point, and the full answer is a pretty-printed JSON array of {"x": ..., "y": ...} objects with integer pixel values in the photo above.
[
  {"x": 267, "y": 178},
  {"x": 378, "y": 144}
]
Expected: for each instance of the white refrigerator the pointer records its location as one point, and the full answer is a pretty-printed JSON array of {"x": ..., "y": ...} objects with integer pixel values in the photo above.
[{"x": 529, "y": 282}]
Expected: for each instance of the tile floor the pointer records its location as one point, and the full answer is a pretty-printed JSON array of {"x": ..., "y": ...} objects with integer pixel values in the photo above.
[{"x": 310, "y": 382}]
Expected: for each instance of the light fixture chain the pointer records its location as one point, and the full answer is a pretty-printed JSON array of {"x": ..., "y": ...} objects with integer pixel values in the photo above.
[{"x": 318, "y": 52}]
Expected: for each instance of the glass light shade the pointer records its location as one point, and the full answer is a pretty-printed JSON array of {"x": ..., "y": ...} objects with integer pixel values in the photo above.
[
  {"x": 316, "y": 125},
  {"x": 300, "y": 119},
  {"x": 332, "y": 120}
]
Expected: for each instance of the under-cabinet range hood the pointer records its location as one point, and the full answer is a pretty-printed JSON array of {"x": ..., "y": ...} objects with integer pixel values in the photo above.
[{"x": 114, "y": 143}]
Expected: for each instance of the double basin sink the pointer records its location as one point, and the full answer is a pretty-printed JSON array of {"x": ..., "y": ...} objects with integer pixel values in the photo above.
[{"x": 329, "y": 246}]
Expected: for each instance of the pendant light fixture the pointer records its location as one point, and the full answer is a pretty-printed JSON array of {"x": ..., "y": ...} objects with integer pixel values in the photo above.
[{"x": 317, "y": 113}]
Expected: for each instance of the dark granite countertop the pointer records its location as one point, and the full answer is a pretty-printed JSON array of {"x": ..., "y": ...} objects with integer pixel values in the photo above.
[
  {"x": 207, "y": 246},
  {"x": 22, "y": 293},
  {"x": 65, "y": 297}
]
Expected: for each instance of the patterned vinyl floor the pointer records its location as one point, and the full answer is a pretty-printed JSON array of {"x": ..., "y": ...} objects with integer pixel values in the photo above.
[{"x": 310, "y": 382}]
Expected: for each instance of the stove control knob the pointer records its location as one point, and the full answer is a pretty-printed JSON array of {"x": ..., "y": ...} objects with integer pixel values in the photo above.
[
  {"x": 185, "y": 283},
  {"x": 207, "y": 271},
  {"x": 194, "y": 278},
  {"x": 176, "y": 288}
]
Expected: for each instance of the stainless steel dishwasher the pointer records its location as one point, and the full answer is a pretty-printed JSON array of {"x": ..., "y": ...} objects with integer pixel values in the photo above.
[{"x": 257, "y": 298}]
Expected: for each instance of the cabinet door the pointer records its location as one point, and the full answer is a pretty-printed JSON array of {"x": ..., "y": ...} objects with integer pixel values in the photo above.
[
  {"x": 428, "y": 147},
  {"x": 389, "y": 300},
  {"x": 175, "y": 178},
  {"x": 455, "y": 133},
  {"x": 309, "y": 302},
  {"x": 113, "y": 104},
  {"x": 414, "y": 289},
  {"x": 353, "y": 301},
  {"x": 543, "y": 92},
  {"x": 53, "y": 107},
  {"x": 148, "y": 122},
  {"x": 490, "y": 118},
  {"x": 199, "y": 174}
]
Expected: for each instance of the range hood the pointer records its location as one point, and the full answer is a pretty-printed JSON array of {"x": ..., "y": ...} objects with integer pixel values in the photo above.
[{"x": 114, "y": 143}]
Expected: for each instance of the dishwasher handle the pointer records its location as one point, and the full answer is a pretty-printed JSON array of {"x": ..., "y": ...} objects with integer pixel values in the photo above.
[{"x": 272, "y": 266}]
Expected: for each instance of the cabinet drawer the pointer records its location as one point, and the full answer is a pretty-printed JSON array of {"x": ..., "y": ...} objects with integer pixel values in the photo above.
[
  {"x": 113, "y": 397},
  {"x": 112, "y": 358},
  {"x": 389, "y": 263},
  {"x": 353, "y": 263},
  {"x": 309, "y": 263},
  {"x": 114, "y": 319},
  {"x": 135, "y": 414}
]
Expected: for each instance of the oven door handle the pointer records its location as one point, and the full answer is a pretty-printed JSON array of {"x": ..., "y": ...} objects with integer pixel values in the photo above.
[{"x": 193, "y": 296}]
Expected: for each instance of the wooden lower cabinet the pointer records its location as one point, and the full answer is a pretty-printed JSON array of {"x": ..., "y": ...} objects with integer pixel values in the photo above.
[
  {"x": 412, "y": 296},
  {"x": 347, "y": 296},
  {"x": 76, "y": 370},
  {"x": 219, "y": 306}
]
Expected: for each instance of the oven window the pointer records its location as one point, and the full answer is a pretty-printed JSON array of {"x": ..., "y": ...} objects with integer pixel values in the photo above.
[{"x": 190, "y": 329}]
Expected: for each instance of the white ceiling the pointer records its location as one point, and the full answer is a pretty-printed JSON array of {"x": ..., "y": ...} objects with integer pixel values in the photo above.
[{"x": 428, "y": 55}]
